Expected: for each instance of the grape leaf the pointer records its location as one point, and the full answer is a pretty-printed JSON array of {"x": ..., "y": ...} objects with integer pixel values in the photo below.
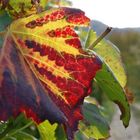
[
  {"x": 20, "y": 90},
  {"x": 109, "y": 84},
  {"x": 111, "y": 56},
  {"x": 52, "y": 49}
]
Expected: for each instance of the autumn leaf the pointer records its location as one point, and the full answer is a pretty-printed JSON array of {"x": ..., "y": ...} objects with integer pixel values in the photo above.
[
  {"x": 46, "y": 54},
  {"x": 20, "y": 90}
]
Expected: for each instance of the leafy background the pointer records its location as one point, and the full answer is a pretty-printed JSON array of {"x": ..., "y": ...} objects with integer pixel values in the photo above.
[{"x": 129, "y": 44}]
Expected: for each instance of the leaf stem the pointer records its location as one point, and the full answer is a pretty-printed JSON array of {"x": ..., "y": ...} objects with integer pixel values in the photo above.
[
  {"x": 108, "y": 29},
  {"x": 7, "y": 135}
]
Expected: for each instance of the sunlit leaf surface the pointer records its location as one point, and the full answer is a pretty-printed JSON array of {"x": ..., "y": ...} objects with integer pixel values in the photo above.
[
  {"x": 20, "y": 90},
  {"x": 45, "y": 73},
  {"x": 110, "y": 54}
]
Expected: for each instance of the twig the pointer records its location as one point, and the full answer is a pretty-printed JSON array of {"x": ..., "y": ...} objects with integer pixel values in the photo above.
[{"x": 108, "y": 29}]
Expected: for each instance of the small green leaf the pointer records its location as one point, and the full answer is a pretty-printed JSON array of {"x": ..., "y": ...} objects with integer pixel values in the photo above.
[
  {"x": 60, "y": 133},
  {"x": 91, "y": 37},
  {"x": 95, "y": 125},
  {"x": 15, "y": 127},
  {"x": 109, "y": 84},
  {"x": 20, "y": 120},
  {"x": 3, "y": 126},
  {"x": 47, "y": 130},
  {"x": 24, "y": 136}
]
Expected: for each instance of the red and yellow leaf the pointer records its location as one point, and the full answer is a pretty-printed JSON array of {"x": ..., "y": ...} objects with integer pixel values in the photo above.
[
  {"x": 20, "y": 90},
  {"x": 53, "y": 51}
]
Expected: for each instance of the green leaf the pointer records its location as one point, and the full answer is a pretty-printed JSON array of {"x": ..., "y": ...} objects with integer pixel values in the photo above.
[
  {"x": 111, "y": 56},
  {"x": 91, "y": 37},
  {"x": 95, "y": 125},
  {"x": 47, "y": 131},
  {"x": 3, "y": 126},
  {"x": 14, "y": 128},
  {"x": 23, "y": 136},
  {"x": 60, "y": 133},
  {"x": 109, "y": 84},
  {"x": 20, "y": 120}
]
